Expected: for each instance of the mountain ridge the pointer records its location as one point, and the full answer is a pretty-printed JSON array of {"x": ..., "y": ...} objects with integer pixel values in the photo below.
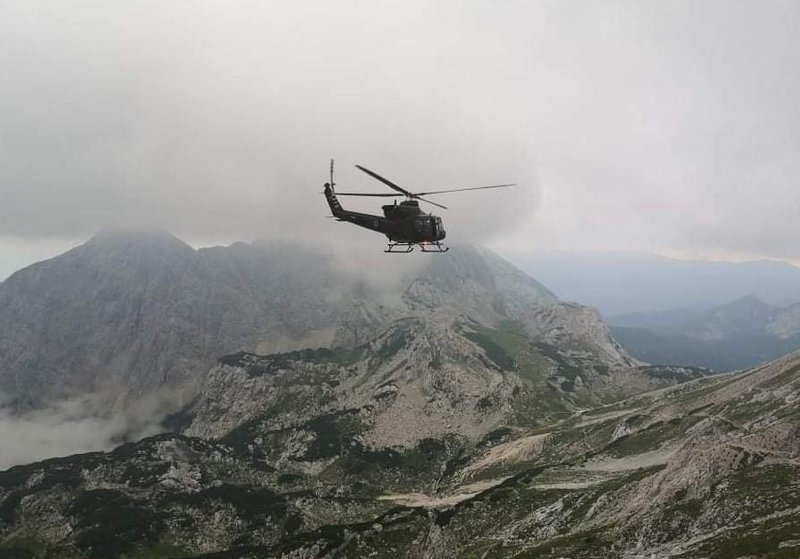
[
  {"x": 736, "y": 335},
  {"x": 143, "y": 310},
  {"x": 706, "y": 468}
]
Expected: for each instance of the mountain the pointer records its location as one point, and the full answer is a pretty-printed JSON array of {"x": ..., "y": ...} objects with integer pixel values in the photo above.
[
  {"x": 135, "y": 310},
  {"x": 623, "y": 282},
  {"x": 736, "y": 335},
  {"x": 130, "y": 311},
  {"x": 707, "y": 468},
  {"x": 423, "y": 409}
]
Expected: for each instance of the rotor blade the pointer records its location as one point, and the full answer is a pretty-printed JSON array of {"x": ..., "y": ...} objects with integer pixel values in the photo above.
[
  {"x": 380, "y": 194},
  {"x": 429, "y": 202},
  {"x": 387, "y": 182},
  {"x": 463, "y": 189}
]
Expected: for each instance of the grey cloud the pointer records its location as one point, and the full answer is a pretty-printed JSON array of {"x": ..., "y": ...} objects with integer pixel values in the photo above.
[
  {"x": 668, "y": 126},
  {"x": 217, "y": 120},
  {"x": 78, "y": 425}
]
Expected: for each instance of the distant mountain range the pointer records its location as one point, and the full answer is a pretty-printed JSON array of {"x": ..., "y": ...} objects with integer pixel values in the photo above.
[
  {"x": 616, "y": 282},
  {"x": 733, "y": 336}
]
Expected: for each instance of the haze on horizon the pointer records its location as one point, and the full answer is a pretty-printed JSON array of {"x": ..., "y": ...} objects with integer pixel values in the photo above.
[{"x": 669, "y": 127}]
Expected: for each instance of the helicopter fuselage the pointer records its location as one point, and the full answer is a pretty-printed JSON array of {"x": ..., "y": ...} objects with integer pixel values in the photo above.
[{"x": 403, "y": 223}]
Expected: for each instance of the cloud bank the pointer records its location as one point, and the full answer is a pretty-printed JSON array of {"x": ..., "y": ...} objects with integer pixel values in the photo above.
[
  {"x": 670, "y": 126},
  {"x": 80, "y": 425}
]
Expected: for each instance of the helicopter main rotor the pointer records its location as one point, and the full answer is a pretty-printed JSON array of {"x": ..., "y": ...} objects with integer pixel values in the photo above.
[{"x": 411, "y": 195}]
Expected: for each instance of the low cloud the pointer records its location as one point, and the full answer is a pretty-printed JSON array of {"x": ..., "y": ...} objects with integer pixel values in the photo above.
[
  {"x": 80, "y": 425},
  {"x": 217, "y": 122},
  {"x": 667, "y": 126}
]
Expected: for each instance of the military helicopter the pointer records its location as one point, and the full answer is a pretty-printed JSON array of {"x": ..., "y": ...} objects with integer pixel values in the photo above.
[{"x": 404, "y": 224}]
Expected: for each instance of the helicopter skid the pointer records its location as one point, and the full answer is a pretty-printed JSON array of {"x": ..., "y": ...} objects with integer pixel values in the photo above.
[
  {"x": 405, "y": 248},
  {"x": 434, "y": 247}
]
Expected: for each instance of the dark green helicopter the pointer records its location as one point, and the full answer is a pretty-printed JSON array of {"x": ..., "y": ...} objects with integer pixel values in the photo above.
[{"x": 404, "y": 224}]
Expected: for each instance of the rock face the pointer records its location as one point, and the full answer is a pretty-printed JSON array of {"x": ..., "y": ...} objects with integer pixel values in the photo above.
[
  {"x": 478, "y": 346},
  {"x": 708, "y": 468},
  {"x": 135, "y": 311},
  {"x": 141, "y": 310}
]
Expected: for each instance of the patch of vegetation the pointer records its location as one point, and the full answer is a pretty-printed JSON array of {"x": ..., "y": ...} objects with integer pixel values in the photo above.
[
  {"x": 493, "y": 350},
  {"x": 742, "y": 410},
  {"x": 387, "y": 469},
  {"x": 565, "y": 367},
  {"x": 333, "y": 433},
  {"x": 368, "y": 463},
  {"x": 689, "y": 507},
  {"x": 588, "y": 499},
  {"x": 389, "y": 543},
  {"x": 777, "y": 538},
  {"x": 486, "y": 403},
  {"x": 592, "y": 543},
  {"x": 257, "y": 365},
  {"x": 180, "y": 420},
  {"x": 250, "y": 502},
  {"x": 20, "y": 547},
  {"x": 110, "y": 523},
  {"x": 143, "y": 473},
  {"x": 495, "y": 437},
  {"x": 56, "y": 471},
  {"x": 336, "y": 356},
  {"x": 159, "y": 551},
  {"x": 652, "y": 437},
  {"x": 776, "y": 485},
  {"x": 396, "y": 339},
  {"x": 437, "y": 361},
  {"x": 15, "y": 553},
  {"x": 677, "y": 374},
  {"x": 289, "y": 479},
  {"x": 783, "y": 378}
]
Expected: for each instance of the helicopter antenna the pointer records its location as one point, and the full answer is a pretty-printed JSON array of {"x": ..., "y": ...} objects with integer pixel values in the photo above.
[{"x": 332, "y": 183}]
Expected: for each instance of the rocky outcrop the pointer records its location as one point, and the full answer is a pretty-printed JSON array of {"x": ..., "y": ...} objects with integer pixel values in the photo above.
[{"x": 137, "y": 311}]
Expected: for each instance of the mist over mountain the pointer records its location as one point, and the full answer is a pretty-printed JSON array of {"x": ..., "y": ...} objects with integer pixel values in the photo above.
[
  {"x": 132, "y": 317},
  {"x": 137, "y": 310},
  {"x": 617, "y": 282}
]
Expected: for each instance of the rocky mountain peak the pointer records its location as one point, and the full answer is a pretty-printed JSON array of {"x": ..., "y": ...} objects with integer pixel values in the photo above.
[
  {"x": 474, "y": 279},
  {"x": 137, "y": 246},
  {"x": 142, "y": 309}
]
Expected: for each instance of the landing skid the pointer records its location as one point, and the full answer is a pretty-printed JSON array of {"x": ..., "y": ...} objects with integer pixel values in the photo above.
[
  {"x": 434, "y": 247},
  {"x": 405, "y": 248}
]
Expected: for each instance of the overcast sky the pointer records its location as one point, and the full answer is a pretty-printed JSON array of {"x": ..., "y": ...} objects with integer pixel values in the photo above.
[{"x": 669, "y": 126}]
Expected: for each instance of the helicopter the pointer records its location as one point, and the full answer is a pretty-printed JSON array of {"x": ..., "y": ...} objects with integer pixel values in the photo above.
[{"x": 404, "y": 224}]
